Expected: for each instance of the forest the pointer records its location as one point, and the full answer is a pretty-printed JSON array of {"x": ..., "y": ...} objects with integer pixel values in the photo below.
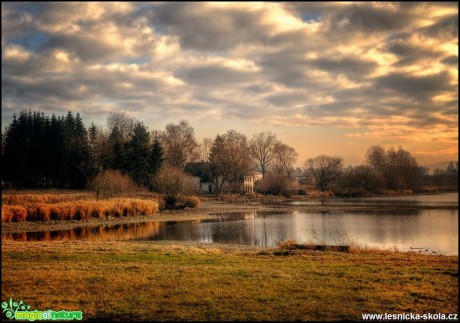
[{"x": 41, "y": 151}]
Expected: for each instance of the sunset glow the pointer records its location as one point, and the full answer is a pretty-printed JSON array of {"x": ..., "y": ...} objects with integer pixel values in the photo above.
[{"x": 327, "y": 78}]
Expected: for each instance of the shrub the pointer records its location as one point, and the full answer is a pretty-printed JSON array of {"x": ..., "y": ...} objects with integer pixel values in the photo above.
[
  {"x": 190, "y": 201},
  {"x": 274, "y": 184},
  {"x": 174, "y": 183},
  {"x": 112, "y": 183}
]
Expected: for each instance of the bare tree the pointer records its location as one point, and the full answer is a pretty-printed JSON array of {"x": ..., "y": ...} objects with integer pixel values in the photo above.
[
  {"x": 359, "y": 181},
  {"x": 228, "y": 159},
  {"x": 205, "y": 148},
  {"x": 376, "y": 158},
  {"x": 179, "y": 144},
  {"x": 402, "y": 170},
  {"x": 324, "y": 170},
  {"x": 285, "y": 158},
  {"x": 123, "y": 121},
  {"x": 262, "y": 150}
]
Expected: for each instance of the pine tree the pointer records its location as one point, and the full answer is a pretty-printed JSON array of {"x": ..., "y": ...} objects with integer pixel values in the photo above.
[
  {"x": 138, "y": 154},
  {"x": 114, "y": 154},
  {"x": 156, "y": 157},
  {"x": 95, "y": 149}
]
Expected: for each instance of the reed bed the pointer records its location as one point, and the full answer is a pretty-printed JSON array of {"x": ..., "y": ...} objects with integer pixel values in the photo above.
[
  {"x": 21, "y": 199},
  {"x": 78, "y": 210}
]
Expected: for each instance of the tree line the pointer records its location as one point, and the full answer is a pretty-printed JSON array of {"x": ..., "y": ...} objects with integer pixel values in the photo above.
[{"x": 58, "y": 151}]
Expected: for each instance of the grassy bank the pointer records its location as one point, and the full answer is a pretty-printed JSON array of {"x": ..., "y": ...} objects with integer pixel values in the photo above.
[{"x": 145, "y": 281}]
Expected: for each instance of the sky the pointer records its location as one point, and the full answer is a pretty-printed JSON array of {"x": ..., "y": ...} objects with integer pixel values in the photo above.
[{"x": 328, "y": 78}]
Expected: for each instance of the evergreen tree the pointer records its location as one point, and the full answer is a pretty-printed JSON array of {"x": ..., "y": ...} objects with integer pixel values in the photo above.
[
  {"x": 114, "y": 155},
  {"x": 95, "y": 150},
  {"x": 138, "y": 154},
  {"x": 156, "y": 157},
  {"x": 79, "y": 153}
]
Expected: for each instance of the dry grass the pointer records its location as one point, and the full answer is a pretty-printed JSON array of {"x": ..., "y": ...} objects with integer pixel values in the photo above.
[
  {"x": 78, "y": 210},
  {"x": 21, "y": 199},
  {"x": 190, "y": 201},
  {"x": 143, "y": 281},
  {"x": 315, "y": 194}
]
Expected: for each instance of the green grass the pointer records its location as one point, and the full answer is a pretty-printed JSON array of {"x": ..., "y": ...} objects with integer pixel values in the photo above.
[{"x": 144, "y": 281}]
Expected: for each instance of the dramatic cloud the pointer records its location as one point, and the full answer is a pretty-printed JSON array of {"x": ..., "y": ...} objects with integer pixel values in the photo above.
[{"x": 385, "y": 73}]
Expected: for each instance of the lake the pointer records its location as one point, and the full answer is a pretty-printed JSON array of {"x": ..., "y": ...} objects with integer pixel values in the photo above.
[
  {"x": 443, "y": 199},
  {"x": 424, "y": 230}
]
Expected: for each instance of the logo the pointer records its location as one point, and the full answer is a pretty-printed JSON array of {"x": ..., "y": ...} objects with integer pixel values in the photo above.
[{"x": 21, "y": 311}]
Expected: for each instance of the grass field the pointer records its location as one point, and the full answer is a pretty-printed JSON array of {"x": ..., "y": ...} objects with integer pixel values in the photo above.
[{"x": 126, "y": 280}]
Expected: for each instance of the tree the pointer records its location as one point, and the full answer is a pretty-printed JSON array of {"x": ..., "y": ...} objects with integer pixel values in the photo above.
[
  {"x": 229, "y": 160},
  {"x": 78, "y": 154},
  {"x": 262, "y": 150},
  {"x": 156, "y": 157},
  {"x": 123, "y": 121},
  {"x": 324, "y": 170},
  {"x": 284, "y": 160},
  {"x": 452, "y": 169},
  {"x": 205, "y": 148},
  {"x": 179, "y": 144},
  {"x": 360, "y": 180},
  {"x": 376, "y": 158},
  {"x": 114, "y": 152},
  {"x": 96, "y": 142},
  {"x": 402, "y": 170},
  {"x": 139, "y": 155}
]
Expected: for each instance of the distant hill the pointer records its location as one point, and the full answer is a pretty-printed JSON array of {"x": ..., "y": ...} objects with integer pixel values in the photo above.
[{"x": 441, "y": 165}]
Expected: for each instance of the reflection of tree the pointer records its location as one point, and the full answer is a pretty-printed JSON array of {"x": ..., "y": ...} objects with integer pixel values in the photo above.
[{"x": 101, "y": 233}]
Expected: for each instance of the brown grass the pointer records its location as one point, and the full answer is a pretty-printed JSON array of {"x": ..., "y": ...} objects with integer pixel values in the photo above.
[
  {"x": 190, "y": 201},
  {"x": 78, "y": 210},
  {"x": 121, "y": 280},
  {"x": 21, "y": 199}
]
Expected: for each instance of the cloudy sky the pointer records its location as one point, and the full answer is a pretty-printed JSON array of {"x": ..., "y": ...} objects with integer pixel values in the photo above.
[{"x": 328, "y": 78}]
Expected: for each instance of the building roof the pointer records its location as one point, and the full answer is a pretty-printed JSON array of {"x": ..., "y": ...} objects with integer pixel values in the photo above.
[{"x": 200, "y": 169}]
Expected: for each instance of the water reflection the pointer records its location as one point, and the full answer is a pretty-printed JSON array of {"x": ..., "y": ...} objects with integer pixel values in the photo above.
[
  {"x": 433, "y": 230},
  {"x": 442, "y": 199},
  {"x": 102, "y": 233}
]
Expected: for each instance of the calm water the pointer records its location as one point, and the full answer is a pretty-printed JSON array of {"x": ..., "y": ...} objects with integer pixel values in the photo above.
[
  {"x": 431, "y": 230},
  {"x": 443, "y": 199}
]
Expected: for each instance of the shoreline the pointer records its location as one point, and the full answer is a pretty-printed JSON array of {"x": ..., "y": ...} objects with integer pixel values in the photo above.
[{"x": 209, "y": 209}]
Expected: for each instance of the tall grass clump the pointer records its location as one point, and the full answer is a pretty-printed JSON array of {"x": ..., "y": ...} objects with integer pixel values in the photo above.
[
  {"x": 14, "y": 213},
  {"x": 22, "y": 199},
  {"x": 79, "y": 210},
  {"x": 7, "y": 215}
]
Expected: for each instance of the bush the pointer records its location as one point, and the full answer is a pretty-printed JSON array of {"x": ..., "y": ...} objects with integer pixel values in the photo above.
[
  {"x": 173, "y": 183},
  {"x": 190, "y": 201},
  {"x": 112, "y": 183},
  {"x": 273, "y": 184}
]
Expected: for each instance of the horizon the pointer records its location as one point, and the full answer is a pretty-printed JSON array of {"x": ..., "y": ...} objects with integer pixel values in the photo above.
[{"x": 327, "y": 78}]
